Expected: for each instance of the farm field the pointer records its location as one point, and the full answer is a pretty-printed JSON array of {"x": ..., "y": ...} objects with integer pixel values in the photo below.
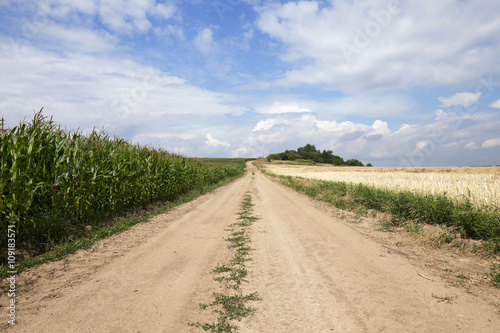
[
  {"x": 310, "y": 271},
  {"x": 481, "y": 185},
  {"x": 62, "y": 190}
]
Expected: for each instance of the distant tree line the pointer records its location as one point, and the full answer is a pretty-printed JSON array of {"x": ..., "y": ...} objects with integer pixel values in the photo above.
[{"x": 309, "y": 152}]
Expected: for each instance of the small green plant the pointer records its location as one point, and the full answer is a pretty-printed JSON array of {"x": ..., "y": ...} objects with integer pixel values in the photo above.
[
  {"x": 458, "y": 244},
  {"x": 462, "y": 279},
  {"x": 492, "y": 246},
  {"x": 361, "y": 212},
  {"x": 232, "y": 306},
  {"x": 414, "y": 228},
  {"x": 495, "y": 275},
  {"x": 388, "y": 224}
]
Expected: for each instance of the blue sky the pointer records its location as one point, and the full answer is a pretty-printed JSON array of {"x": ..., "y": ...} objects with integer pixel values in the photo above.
[{"x": 393, "y": 83}]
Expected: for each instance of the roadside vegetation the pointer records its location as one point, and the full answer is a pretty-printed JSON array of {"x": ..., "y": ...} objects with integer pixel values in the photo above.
[
  {"x": 310, "y": 153},
  {"x": 63, "y": 190},
  {"x": 227, "y": 162},
  {"x": 231, "y": 305}
]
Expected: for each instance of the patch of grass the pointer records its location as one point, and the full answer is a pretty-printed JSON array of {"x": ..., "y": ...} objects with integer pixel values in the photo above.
[
  {"x": 414, "y": 228},
  {"x": 387, "y": 225},
  {"x": 232, "y": 306},
  {"x": 221, "y": 269},
  {"x": 495, "y": 275},
  {"x": 361, "y": 212},
  {"x": 463, "y": 279}
]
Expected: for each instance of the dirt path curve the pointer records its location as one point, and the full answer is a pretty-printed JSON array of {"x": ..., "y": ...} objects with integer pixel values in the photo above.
[{"x": 313, "y": 273}]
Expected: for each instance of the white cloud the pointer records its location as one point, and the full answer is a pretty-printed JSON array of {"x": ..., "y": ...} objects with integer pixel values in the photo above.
[
  {"x": 405, "y": 127},
  {"x": 432, "y": 142},
  {"x": 464, "y": 99},
  {"x": 440, "y": 114},
  {"x": 164, "y": 10},
  {"x": 122, "y": 95},
  {"x": 119, "y": 16},
  {"x": 471, "y": 145},
  {"x": 421, "y": 145},
  {"x": 204, "y": 41},
  {"x": 490, "y": 143},
  {"x": 268, "y": 123},
  {"x": 126, "y": 16},
  {"x": 170, "y": 30},
  {"x": 164, "y": 135},
  {"x": 72, "y": 18},
  {"x": 213, "y": 142},
  {"x": 496, "y": 104},
  {"x": 417, "y": 43},
  {"x": 279, "y": 107},
  {"x": 333, "y": 126},
  {"x": 371, "y": 105},
  {"x": 77, "y": 39},
  {"x": 380, "y": 127}
]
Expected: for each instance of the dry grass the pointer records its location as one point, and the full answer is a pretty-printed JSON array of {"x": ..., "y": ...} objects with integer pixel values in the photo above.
[{"x": 479, "y": 184}]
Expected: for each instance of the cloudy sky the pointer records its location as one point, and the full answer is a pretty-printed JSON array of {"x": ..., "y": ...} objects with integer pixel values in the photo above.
[{"x": 388, "y": 82}]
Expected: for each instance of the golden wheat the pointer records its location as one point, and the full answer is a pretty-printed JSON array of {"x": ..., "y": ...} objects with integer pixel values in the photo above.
[{"x": 480, "y": 185}]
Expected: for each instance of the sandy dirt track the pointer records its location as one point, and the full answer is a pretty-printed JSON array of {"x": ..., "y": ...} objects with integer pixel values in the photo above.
[{"x": 313, "y": 272}]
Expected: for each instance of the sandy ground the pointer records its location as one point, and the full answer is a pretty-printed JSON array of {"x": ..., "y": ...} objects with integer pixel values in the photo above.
[{"x": 313, "y": 271}]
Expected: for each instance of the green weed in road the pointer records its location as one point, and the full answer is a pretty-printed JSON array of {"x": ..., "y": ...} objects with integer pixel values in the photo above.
[{"x": 231, "y": 305}]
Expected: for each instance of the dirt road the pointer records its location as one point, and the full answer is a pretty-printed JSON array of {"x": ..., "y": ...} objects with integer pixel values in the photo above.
[{"x": 313, "y": 272}]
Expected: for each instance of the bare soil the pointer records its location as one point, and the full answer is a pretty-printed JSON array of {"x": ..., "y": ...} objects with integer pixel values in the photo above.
[{"x": 315, "y": 270}]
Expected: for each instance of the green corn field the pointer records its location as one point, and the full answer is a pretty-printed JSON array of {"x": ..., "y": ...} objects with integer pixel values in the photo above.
[{"x": 54, "y": 182}]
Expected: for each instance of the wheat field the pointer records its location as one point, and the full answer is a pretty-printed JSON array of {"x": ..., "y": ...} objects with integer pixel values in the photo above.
[{"x": 481, "y": 185}]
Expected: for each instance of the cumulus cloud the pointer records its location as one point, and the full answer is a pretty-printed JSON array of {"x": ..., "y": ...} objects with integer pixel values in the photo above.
[
  {"x": 496, "y": 104},
  {"x": 213, "y": 142},
  {"x": 471, "y": 145},
  {"x": 268, "y": 124},
  {"x": 414, "y": 43},
  {"x": 280, "y": 107},
  {"x": 122, "y": 17},
  {"x": 490, "y": 143},
  {"x": 132, "y": 15},
  {"x": 204, "y": 40},
  {"x": 120, "y": 94},
  {"x": 464, "y": 99},
  {"x": 421, "y": 145},
  {"x": 431, "y": 142},
  {"x": 164, "y": 10},
  {"x": 380, "y": 127},
  {"x": 77, "y": 39},
  {"x": 371, "y": 105}
]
